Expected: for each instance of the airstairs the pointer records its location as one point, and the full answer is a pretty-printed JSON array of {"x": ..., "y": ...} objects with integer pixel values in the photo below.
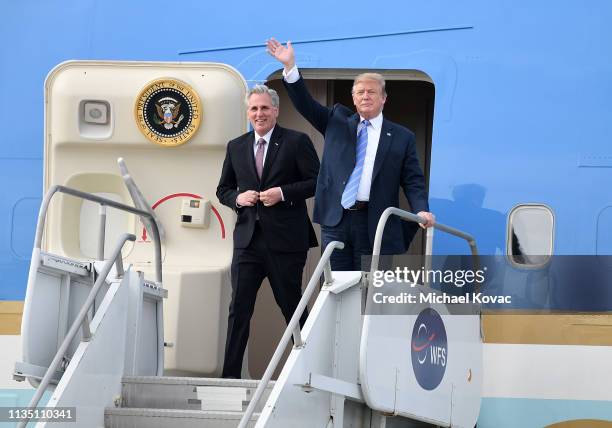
[{"x": 93, "y": 334}]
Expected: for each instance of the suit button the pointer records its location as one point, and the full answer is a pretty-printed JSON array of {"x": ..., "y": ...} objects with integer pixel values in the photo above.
[{"x": 344, "y": 182}]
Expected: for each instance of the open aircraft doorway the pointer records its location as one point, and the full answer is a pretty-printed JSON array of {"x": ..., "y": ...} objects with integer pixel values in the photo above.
[{"x": 410, "y": 102}]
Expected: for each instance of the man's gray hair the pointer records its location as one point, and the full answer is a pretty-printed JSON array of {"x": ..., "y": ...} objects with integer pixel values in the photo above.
[
  {"x": 263, "y": 89},
  {"x": 371, "y": 76}
]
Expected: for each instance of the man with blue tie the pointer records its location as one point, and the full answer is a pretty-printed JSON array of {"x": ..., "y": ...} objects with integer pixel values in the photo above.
[{"x": 366, "y": 159}]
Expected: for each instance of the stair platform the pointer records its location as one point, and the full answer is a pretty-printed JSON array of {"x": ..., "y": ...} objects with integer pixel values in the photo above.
[
  {"x": 176, "y": 418},
  {"x": 152, "y": 401}
]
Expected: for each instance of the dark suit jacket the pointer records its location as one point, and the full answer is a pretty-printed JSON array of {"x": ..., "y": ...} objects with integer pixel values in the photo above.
[
  {"x": 292, "y": 164},
  {"x": 396, "y": 164}
]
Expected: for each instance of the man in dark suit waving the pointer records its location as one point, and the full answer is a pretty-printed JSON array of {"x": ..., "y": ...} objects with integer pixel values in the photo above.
[
  {"x": 365, "y": 161},
  {"x": 267, "y": 176}
]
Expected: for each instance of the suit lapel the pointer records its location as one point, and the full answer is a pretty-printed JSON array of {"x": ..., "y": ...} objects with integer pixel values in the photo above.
[
  {"x": 352, "y": 122},
  {"x": 273, "y": 146},
  {"x": 249, "y": 154},
  {"x": 384, "y": 143}
]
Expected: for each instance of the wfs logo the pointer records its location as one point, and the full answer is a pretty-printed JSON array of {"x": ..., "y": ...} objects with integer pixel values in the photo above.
[{"x": 429, "y": 349}]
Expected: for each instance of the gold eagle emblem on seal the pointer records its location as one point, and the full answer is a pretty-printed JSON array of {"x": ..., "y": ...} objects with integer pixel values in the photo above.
[{"x": 168, "y": 112}]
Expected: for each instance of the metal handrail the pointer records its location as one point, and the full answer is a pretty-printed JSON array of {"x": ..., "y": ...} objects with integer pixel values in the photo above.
[
  {"x": 79, "y": 320},
  {"x": 292, "y": 328},
  {"x": 405, "y": 215},
  {"x": 103, "y": 201}
]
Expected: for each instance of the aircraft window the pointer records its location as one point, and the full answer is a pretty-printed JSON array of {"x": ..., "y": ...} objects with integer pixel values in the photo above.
[{"x": 530, "y": 235}]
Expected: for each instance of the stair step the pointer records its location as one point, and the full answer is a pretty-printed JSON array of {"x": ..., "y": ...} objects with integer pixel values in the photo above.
[
  {"x": 190, "y": 393},
  {"x": 232, "y": 398},
  {"x": 175, "y": 418}
]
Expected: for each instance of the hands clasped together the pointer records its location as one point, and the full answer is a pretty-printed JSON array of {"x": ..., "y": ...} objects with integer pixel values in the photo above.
[{"x": 268, "y": 197}]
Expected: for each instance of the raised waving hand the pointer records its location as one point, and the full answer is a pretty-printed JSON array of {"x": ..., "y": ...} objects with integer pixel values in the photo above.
[{"x": 284, "y": 54}]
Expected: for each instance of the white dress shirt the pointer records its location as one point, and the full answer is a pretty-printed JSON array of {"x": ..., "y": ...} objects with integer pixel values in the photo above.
[{"x": 363, "y": 191}]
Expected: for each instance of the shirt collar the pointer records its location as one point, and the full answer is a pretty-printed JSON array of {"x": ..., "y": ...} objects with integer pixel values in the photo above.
[
  {"x": 375, "y": 122},
  {"x": 265, "y": 137}
]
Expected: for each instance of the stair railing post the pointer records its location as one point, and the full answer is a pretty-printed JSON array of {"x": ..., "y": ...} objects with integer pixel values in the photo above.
[
  {"x": 327, "y": 274},
  {"x": 119, "y": 267},
  {"x": 297, "y": 338},
  {"x": 86, "y": 330},
  {"x": 429, "y": 235},
  {"x": 102, "y": 232}
]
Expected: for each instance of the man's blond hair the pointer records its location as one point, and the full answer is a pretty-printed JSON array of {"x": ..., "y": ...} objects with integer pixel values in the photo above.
[{"x": 371, "y": 76}]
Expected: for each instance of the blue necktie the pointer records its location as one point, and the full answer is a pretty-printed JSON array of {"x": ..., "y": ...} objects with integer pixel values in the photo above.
[{"x": 349, "y": 196}]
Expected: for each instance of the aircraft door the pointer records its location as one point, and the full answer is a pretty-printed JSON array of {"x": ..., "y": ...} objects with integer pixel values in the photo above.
[{"x": 170, "y": 122}]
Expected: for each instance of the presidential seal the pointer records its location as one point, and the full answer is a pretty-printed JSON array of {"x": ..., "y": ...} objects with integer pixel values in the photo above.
[{"x": 168, "y": 112}]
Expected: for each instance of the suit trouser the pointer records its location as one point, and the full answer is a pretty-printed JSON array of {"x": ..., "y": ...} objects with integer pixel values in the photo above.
[
  {"x": 249, "y": 268},
  {"x": 353, "y": 232}
]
